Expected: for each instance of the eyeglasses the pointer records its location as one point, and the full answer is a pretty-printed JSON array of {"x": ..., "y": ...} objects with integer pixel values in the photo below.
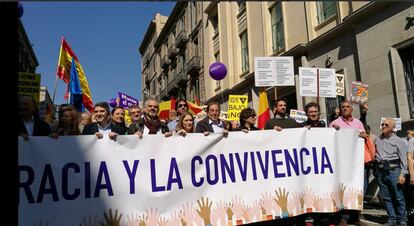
[
  {"x": 385, "y": 125},
  {"x": 182, "y": 105},
  {"x": 254, "y": 116}
]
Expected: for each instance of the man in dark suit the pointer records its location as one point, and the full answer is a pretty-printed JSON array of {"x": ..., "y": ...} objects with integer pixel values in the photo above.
[
  {"x": 103, "y": 124},
  {"x": 212, "y": 123},
  {"x": 29, "y": 123}
]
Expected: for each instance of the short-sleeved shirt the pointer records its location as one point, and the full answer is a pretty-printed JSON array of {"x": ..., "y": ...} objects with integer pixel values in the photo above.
[
  {"x": 392, "y": 148},
  {"x": 411, "y": 145},
  {"x": 352, "y": 123}
]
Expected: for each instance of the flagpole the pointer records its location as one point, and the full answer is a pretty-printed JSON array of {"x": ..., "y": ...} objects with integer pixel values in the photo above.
[{"x": 54, "y": 91}]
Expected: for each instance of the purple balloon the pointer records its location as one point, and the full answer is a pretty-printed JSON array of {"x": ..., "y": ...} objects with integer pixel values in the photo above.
[
  {"x": 20, "y": 10},
  {"x": 218, "y": 71}
]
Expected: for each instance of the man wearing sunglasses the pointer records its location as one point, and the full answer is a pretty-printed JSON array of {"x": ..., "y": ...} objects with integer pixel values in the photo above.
[
  {"x": 181, "y": 106},
  {"x": 390, "y": 170}
]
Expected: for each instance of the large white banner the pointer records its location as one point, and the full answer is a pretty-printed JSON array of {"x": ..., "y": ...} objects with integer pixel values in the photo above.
[{"x": 195, "y": 179}]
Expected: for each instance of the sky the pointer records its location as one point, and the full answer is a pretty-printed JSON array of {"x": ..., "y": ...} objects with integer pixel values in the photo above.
[{"x": 105, "y": 36}]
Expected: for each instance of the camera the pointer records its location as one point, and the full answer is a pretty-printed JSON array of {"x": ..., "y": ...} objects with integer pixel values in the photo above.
[{"x": 382, "y": 165}]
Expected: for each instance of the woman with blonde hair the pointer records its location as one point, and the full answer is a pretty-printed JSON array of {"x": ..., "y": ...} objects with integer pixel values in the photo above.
[
  {"x": 68, "y": 122},
  {"x": 185, "y": 124}
]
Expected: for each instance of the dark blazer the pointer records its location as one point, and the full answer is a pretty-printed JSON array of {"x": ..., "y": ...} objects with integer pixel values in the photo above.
[
  {"x": 40, "y": 127},
  {"x": 204, "y": 126},
  {"x": 240, "y": 128},
  {"x": 91, "y": 129},
  {"x": 139, "y": 126}
]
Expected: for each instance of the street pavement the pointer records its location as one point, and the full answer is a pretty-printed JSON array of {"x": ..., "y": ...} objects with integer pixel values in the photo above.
[{"x": 374, "y": 214}]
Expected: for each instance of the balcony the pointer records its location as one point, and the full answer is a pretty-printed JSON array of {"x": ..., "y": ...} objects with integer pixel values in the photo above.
[
  {"x": 181, "y": 77},
  {"x": 172, "y": 52},
  {"x": 193, "y": 66},
  {"x": 181, "y": 39},
  {"x": 165, "y": 62},
  {"x": 145, "y": 59},
  {"x": 147, "y": 80},
  {"x": 171, "y": 83},
  {"x": 163, "y": 93}
]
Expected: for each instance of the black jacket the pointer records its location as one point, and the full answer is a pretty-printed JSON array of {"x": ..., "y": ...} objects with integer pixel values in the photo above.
[
  {"x": 204, "y": 126},
  {"x": 40, "y": 127},
  {"x": 139, "y": 126},
  {"x": 91, "y": 129}
]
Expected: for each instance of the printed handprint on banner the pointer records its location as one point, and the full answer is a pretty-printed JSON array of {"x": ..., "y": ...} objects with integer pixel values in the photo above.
[
  {"x": 162, "y": 221},
  {"x": 152, "y": 217},
  {"x": 90, "y": 221},
  {"x": 204, "y": 208},
  {"x": 112, "y": 220},
  {"x": 267, "y": 203},
  {"x": 350, "y": 198},
  {"x": 229, "y": 211},
  {"x": 282, "y": 200},
  {"x": 317, "y": 203},
  {"x": 142, "y": 220},
  {"x": 360, "y": 198},
  {"x": 326, "y": 202},
  {"x": 308, "y": 196},
  {"x": 174, "y": 219},
  {"x": 255, "y": 212},
  {"x": 219, "y": 214},
  {"x": 188, "y": 214},
  {"x": 132, "y": 219},
  {"x": 237, "y": 208},
  {"x": 337, "y": 196},
  {"x": 295, "y": 203},
  {"x": 245, "y": 213}
]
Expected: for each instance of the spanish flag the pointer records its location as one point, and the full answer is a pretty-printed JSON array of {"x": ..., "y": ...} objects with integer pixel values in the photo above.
[
  {"x": 194, "y": 108},
  {"x": 165, "y": 107},
  {"x": 65, "y": 64},
  {"x": 264, "y": 113}
]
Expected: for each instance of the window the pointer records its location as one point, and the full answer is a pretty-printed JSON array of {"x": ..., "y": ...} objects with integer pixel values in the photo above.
[
  {"x": 278, "y": 36},
  {"x": 326, "y": 9},
  {"x": 408, "y": 63},
  {"x": 242, "y": 6},
  {"x": 244, "y": 52}
]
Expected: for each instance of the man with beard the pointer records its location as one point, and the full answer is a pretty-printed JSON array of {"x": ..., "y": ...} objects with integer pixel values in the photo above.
[
  {"x": 312, "y": 111},
  {"x": 150, "y": 123},
  {"x": 281, "y": 119},
  {"x": 103, "y": 124},
  {"x": 29, "y": 123}
]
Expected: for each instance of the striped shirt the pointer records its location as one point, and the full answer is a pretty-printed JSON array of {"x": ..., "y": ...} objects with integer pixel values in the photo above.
[{"x": 391, "y": 148}]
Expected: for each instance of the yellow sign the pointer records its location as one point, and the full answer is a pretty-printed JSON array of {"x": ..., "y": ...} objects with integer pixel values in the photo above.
[
  {"x": 236, "y": 104},
  {"x": 128, "y": 120},
  {"x": 29, "y": 84}
]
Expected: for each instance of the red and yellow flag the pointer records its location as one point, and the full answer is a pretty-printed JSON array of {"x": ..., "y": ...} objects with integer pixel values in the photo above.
[
  {"x": 63, "y": 72},
  {"x": 263, "y": 113}
]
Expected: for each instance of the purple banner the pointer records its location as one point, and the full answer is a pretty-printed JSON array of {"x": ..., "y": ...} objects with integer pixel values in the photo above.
[{"x": 126, "y": 101}]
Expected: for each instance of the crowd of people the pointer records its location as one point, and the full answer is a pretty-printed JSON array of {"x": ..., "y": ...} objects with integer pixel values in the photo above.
[{"x": 387, "y": 155}]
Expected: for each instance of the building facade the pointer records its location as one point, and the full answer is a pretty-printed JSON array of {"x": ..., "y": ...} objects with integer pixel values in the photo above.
[
  {"x": 316, "y": 34},
  {"x": 177, "y": 55},
  {"x": 27, "y": 58},
  {"x": 370, "y": 42},
  {"x": 150, "y": 58}
]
